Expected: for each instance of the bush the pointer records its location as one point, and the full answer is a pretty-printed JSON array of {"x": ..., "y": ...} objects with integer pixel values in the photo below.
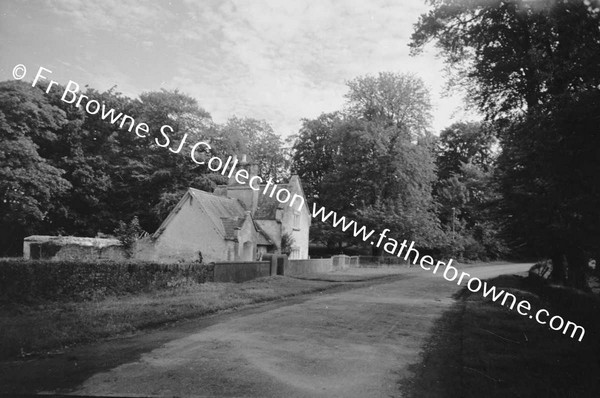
[
  {"x": 38, "y": 280},
  {"x": 287, "y": 243},
  {"x": 128, "y": 234}
]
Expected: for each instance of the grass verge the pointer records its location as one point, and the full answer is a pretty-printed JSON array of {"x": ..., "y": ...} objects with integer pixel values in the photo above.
[
  {"x": 479, "y": 348},
  {"x": 49, "y": 327}
]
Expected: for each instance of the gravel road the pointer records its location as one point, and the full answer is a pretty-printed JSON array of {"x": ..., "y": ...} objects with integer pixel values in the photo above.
[
  {"x": 350, "y": 342},
  {"x": 356, "y": 343}
]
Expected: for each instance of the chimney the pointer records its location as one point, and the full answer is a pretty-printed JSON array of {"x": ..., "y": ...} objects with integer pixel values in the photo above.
[
  {"x": 251, "y": 168},
  {"x": 243, "y": 192}
]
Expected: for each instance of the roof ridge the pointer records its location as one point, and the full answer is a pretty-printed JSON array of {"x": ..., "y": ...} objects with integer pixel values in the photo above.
[{"x": 196, "y": 190}]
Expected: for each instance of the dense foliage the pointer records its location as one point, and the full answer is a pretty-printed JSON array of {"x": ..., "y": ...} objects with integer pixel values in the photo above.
[
  {"x": 376, "y": 162},
  {"x": 533, "y": 68},
  {"x": 64, "y": 171},
  {"x": 33, "y": 281}
]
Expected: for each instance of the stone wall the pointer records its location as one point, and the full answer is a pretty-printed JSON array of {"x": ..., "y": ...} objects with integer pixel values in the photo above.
[{"x": 72, "y": 248}]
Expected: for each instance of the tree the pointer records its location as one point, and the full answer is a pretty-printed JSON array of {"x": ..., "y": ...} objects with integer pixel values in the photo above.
[
  {"x": 512, "y": 56},
  {"x": 257, "y": 139},
  {"x": 400, "y": 99},
  {"x": 466, "y": 192},
  {"x": 464, "y": 142},
  {"x": 28, "y": 183},
  {"x": 532, "y": 67},
  {"x": 150, "y": 178},
  {"x": 550, "y": 183},
  {"x": 313, "y": 152},
  {"x": 128, "y": 234},
  {"x": 86, "y": 149},
  {"x": 373, "y": 162}
]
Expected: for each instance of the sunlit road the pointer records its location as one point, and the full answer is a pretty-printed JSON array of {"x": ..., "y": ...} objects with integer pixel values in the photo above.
[
  {"x": 356, "y": 343},
  {"x": 357, "y": 340}
]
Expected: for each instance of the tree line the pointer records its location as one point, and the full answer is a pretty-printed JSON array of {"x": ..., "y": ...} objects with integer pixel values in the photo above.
[{"x": 377, "y": 161}]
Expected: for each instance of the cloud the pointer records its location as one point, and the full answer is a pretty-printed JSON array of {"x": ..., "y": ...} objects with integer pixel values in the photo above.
[
  {"x": 128, "y": 18},
  {"x": 270, "y": 59},
  {"x": 283, "y": 61}
]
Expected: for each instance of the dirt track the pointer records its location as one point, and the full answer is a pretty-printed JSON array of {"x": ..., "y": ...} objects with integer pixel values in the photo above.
[{"x": 354, "y": 343}]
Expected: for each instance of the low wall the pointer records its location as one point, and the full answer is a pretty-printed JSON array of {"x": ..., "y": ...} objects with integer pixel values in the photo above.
[
  {"x": 312, "y": 266},
  {"x": 241, "y": 271},
  {"x": 344, "y": 262},
  {"x": 72, "y": 248},
  {"x": 381, "y": 261},
  {"x": 86, "y": 253},
  {"x": 244, "y": 271},
  {"x": 321, "y": 265}
]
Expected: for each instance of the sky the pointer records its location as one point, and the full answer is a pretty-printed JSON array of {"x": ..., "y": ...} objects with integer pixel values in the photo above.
[{"x": 280, "y": 61}]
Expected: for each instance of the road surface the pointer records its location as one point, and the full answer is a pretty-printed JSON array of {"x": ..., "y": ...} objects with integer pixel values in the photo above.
[{"x": 353, "y": 343}]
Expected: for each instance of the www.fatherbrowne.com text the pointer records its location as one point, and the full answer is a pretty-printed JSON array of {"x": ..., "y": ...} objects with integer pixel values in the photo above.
[{"x": 450, "y": 273}]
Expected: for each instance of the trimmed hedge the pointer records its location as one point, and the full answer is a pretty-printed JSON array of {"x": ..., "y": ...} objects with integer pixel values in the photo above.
[{"x": 35, "y": 280}]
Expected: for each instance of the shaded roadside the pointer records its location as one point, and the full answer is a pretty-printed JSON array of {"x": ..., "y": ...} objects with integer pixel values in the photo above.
[
  {"x": 48, "y": 328},
  {"x": 479, "y": 348},
  {"x": 68, "y": 367}
]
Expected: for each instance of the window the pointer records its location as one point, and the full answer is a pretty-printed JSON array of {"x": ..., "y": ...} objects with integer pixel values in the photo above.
[{"x": 297, "y": 221}]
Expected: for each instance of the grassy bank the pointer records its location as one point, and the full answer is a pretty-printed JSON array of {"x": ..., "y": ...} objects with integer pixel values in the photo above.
[
  {"x": 45, "y": 327},
  {"x": 479, "y": 348}
]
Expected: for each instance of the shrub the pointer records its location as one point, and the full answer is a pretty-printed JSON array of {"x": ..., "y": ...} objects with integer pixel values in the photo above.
[
  {"x": 128, "y": 234},
  {"x": 287, "y": 242},
  {"x": 35, "y": 280}
]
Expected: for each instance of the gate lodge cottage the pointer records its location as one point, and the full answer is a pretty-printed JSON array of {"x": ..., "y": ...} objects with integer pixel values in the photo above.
[{"x": 235, "y": 223}]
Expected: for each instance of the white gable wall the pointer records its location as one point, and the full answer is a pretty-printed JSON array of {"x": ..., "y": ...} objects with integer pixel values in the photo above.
[
  {"x": 297, "y": 223},
  {"x": 189, "y": 232}
]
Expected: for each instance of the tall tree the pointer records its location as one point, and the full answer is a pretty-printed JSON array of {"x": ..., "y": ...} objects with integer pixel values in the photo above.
[
  {"x": 396, "y": 98},
  {"x": 551, "y": 184},
  {"x": 515, "y": 55},
  {"x": 86, "y": 148},
  {"x": 530, "y": 65},
  {"x": 375, "y": 160},
  {"x": 28, "y": 183},
  {"x": 257, "y": 139},
  {"x": 464, "y": 142},
  {"x": 313, "y": 152},
  {"x": 158, "y": 170},
  {"x": 465, "y": 164}
]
